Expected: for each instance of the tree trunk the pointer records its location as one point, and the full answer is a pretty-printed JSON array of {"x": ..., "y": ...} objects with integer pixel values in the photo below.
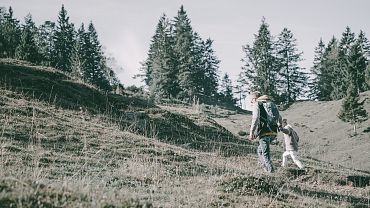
[{"x": 354, "y": 129}]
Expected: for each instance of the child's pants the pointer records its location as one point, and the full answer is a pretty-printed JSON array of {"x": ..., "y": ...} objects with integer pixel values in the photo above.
[{"x": 294, "y": 156}]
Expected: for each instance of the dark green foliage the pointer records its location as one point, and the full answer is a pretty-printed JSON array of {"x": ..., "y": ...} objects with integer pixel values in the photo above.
[
  {"x": 314, "y": 84},
  {"x": 340, "y": 71},
  {"x": 10, "y": 33},
  {"x": 364, "y": 73},
  {"x": 260, "y": 67},
  {"x": 292, "y": 80},
  {"x": 59, "y": 46},
  {"x": 352, "y": 110},
  {"x": 79, "y": 56},
  {"x": 226, "y": 90},
  {"x": 209, "y": 70},
  {"x": 94, "y": 61},
  {"x": 163, "y": 82},
  {"x": 28, "y": 49},
  {"x": 183, "y": 33},
  {"x": 340, "y": 65},
  {"x": 329, "y": 69},
  {"x": 46, "y": 42},
  {"x": 63, "y": 42},
  {"x": 180, "y": 64}
]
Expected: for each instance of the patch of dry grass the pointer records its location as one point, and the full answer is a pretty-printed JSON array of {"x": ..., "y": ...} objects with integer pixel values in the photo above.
[{"x": 55, "y": 156}]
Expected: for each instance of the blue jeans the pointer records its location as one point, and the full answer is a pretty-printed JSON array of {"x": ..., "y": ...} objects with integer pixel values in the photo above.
[{"x": 263, "y": 152}]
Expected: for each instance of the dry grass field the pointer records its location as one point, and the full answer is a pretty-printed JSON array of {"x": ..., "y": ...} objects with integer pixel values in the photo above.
[{"x": 65, "y": 144}]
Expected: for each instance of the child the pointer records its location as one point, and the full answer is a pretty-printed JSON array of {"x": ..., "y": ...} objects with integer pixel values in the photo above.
[{"x": 291, "y": 144}]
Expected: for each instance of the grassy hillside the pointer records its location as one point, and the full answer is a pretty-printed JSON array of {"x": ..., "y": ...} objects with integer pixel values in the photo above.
[
  {"x": 323, "y": 135},
  {"x": 61, "y": 146}
]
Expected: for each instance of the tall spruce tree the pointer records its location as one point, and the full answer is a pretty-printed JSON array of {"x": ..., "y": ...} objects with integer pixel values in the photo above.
[
  {"x": 315, "y": 91},
  {"x": 292, "y": 79},
  {"x": 79, "y": 54},
  {"x": 2, "y": 21},
  {"x": 46, "y": 42},
  {"x": 357, "y": 65},
  {"x": 226, "y": 89},
  {"x": 198, "y": 64},
  {"x": 365, "y": 51},
  {"x": 260, "y": 69},
  {"x": 10, "y": 34},
  {"x": 241, "y": 89},
  {"x": 164, "y": 82},
  {"x": 28, "y": 49},
  {"x": 352, "y": 110},
  {"x": 340, "y": 71},
  {"x": 63, "y": 42},
  {"x": 159, "y": 70},
  {"x": 94, "y": 62},
  {"x": 183, "y": 48},
  {"x": 210, "y": 66},
  {"x": 329, "y": 69}
]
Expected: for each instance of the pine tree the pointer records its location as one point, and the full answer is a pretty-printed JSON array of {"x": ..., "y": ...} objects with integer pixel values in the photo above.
[
  {"x": 164, "y": 77},
  {"x": 317, "y": 70},
  {"x": 329, "y": 69},
  {"x": 2, "y": 38},
  {"x": 340, "y": 72},
  {"x": 357, "y": 65},
  {"x": 10, "y": 33},
  {"x": 28, "y": 49},
  {"x": 198, "y": 66},
  {"x": 260, "y": 70},
  {"x": 183, "y": 34},
  {"x": 226, "y": 89},
  {"x": 94, "y": 62},
  {"x": 63, "y": 42},
  {"x": 292, "y": 79},
  {"x": 180, "y": 63},
  {"x": 352, "y": 110},
  {"x": 45, "y": 41},
  {"x": 79, "y": 54},
  {"x": 241, "y": 89},
  {"x": 161, "y": 74},
  {"x": 211, "y": 67},
  {"x": 365, "y": 53}
]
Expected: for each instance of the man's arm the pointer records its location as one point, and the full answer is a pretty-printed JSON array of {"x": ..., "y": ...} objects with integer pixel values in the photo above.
[{"x": 255, "y": 120}]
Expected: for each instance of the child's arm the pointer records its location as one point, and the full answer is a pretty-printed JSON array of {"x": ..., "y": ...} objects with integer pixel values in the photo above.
[{"x": 285, "y": 130}]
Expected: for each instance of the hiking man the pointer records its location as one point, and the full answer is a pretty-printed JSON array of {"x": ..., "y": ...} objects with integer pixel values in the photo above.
[
  {"x": 291, "y": 140},
  {"x": 265, "y": 122}
]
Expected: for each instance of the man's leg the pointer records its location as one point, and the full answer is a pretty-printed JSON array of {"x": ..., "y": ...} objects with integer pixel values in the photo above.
[
  {"x": 265, "y": 153},
  {"x": 260, "y": 156},
  {"x": 294, "y": 156}
]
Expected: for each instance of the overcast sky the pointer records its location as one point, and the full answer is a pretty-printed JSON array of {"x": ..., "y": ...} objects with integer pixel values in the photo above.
[{"x": 125, "y": 27}]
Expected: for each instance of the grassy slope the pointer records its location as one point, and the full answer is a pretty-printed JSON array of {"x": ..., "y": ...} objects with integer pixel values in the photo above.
[
  {"x": 323, "y": 135},
  {"x": 326, "y": 137},
  {"x": 55, "y": 155}
]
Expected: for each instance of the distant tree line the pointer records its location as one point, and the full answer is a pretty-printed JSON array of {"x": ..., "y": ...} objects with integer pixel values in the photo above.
[
  {"x": 78, "y": 53},
  {"x": 340, "y": 70},
  {"x": 182, "y": 65}
]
